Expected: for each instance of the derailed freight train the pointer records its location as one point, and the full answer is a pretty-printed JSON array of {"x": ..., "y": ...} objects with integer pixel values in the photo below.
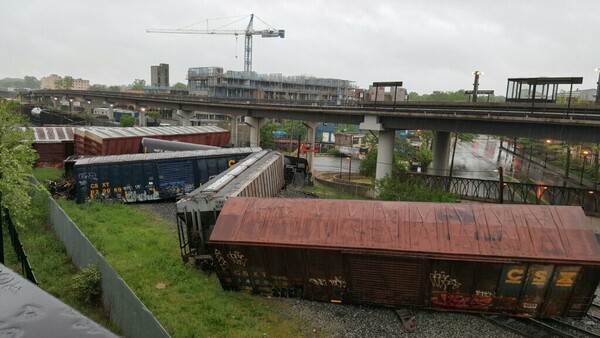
[
  {"x": 149, "y": 177},
  {"x": 520, "y": 260},
  {"x": 259, "y": 175}
]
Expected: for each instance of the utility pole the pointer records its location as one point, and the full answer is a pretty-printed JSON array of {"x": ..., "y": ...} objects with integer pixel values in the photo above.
[
  {"x": 476, "y": 84},
  {"x": 598, "y": 88},
  {"x": 501, "y": 182}
]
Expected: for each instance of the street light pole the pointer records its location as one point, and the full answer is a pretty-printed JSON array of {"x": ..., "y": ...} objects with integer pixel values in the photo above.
[
  {"x": 501, "y": 182},
  {"x": 476, "y": 84},
  {"x": 585, "y": 153},
  {"x": 350, "y": 168},
  {"x": 546, "y": 157},
  {"x": 598, "y": 88}
]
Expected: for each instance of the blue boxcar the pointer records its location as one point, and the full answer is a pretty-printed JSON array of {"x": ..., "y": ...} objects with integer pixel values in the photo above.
[{"x": 147, "y": 177}]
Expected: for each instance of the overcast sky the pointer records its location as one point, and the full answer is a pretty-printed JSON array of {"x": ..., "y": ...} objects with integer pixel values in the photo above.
[{"x": 430, "y": 45}]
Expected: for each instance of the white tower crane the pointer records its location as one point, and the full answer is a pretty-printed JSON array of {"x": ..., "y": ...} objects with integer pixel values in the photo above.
[{"x": 248, "y": 33}]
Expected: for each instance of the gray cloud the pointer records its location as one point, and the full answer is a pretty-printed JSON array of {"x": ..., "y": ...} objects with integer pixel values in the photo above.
[{"x": 430, "y": 45}]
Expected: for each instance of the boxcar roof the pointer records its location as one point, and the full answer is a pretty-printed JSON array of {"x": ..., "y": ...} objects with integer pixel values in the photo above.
[
  {"x": 161, "y": 156},
  {"x": 118, "y": 132},
  {"x": 455, "y": 231},
  {"x": 52, "y": 134}
]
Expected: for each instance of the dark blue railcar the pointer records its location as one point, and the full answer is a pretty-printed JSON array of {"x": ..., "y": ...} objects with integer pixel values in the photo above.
[{"x": 148, "y": 177}]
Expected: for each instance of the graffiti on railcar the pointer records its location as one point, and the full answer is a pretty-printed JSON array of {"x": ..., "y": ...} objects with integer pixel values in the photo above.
[
  {"x": 479, "y": 302},
  {"x": 441, "y": 280},
  {"x": 237, "y": 258},
  {"x": 337, "y": 281},
  {"x": 288, "y": 292}
]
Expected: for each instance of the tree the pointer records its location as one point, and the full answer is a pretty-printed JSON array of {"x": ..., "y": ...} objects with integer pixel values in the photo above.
[
  {"x": 31, "y": 82},
  {"x": 295, "y": 129},
  {"x": 98, "y": 87},
  {"x": 138, "y": 84},
  {"x": 58, "y": 84},
  {"x": 267, "y": 136},
  {"x": 16, "y": 160},
  {"x": 114, "y": 89},
  {"x": 67, "y": 82},
  {"x": 180, "y": 86},
  {"x": 127, "y": 121}
]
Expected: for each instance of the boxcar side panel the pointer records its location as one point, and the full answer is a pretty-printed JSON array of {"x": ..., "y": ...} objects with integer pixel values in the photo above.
[{"x": 584, "y": 293}]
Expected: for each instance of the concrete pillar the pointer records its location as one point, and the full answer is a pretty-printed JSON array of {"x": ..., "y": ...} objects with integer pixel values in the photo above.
[
  {"x": 255, "y": 124},
  {"x": 310, "y": 135},
  {"x": 142, "y": 121},
  {"x": 441, "y": 154},
  {"x": 233, "y": 139},
  {"x": 385, "y": 154},
  {"x": 111, "y": 113},
  {"x": 184, "y": 117}
]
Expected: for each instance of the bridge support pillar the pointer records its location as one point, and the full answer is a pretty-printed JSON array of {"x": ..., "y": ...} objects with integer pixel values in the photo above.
[
  {"x": 255, "y": 124},
  {"x": 234, "y": 136},
  {"x": 142, "y": 121},
  {"x": 184, "y": 117},
  {"x": 311, "y": 128},
  {"x": 385, "y": 147},
  {"x": 441, "y": 153},
  {"x": 111, "y": 112},
  {"x": 385, "y": 154}
]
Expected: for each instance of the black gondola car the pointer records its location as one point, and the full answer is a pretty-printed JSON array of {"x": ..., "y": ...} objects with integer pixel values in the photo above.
[{"x": 147, "y": 177}]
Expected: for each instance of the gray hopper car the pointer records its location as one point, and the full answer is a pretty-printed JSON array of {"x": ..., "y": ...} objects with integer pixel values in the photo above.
[{"x": 258, "y": 175}]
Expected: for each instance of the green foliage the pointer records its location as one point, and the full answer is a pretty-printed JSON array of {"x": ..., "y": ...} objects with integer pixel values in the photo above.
[
  {"x": 180, "y": 86},
  {"x": 368, "y": 165},
  {"x": 267, "y": 138},
  {"x": 343, "y": 128},
  {"x": 67, "y": 82},
  {"x": 154, "y": 114},
  {"x": 26, "y": 82},
  {"x": 138, "y": 84},
  {"x": 466, "y": 137},
  {"x": 450, "y": 96},
  {"x": 127, "y": 121},
  {"x": 424, "y": 156},
  {"x": 335, "y": 152},
  {"x": 87, "y": 285},
  {"x": 405, "y": 150},
  {"x": 411, "y": 189},
  {"x": 295, "y": 129},
  {"x": 16, "y": 159},
  {"x": 114, "y": 89},
  {"x": 98, "y": 87}
]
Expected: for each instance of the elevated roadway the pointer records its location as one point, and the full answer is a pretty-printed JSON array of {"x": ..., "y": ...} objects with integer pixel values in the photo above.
[
  {"x": 559, "y": 122},
  {"x": 531, "y": 120}
]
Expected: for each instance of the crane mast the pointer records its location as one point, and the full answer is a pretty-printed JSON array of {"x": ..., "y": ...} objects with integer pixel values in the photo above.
[{"x": 248, "y": 33}]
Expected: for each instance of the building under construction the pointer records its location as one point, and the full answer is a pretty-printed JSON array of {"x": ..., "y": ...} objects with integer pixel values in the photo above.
[{"x": 213, "y": 82}]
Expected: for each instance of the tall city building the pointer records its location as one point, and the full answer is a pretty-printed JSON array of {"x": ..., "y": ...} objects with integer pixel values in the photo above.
[
  {"x": 159, "y": 76},
  {"x": 214, "y": 82}
]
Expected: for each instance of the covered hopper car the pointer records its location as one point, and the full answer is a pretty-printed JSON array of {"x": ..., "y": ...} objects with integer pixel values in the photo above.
[
  {"x": 152, "y": 145},
  {"x": 148, "y": 177},
  {"x": 520, "y": 260},
  {"x": 258, "y": 175}
]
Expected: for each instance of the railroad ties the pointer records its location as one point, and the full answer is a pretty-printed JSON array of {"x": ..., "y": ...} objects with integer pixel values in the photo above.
[
  {"x": 408, "y": 319},
  {"x": 530, "y": 327}
]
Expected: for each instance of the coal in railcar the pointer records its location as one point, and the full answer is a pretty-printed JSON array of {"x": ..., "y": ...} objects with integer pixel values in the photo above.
[
  {"x": 258, "y": 175},
  {"x": 149, "y": 177},
  {"x": 520, "y": 260}
]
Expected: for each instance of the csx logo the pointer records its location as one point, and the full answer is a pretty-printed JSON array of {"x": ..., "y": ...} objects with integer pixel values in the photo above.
[
  {"x": 565, "y": 278},
  {"x": 231, "y": 162}
]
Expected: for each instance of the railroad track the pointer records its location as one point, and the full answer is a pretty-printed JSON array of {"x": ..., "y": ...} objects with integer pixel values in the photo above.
[
  {"x": 527, "y": 327},
  {"x": 564, "y": 322}
]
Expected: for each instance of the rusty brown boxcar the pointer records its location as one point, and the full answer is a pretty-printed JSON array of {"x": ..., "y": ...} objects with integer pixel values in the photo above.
[
  {"x": 119, "y": 141},
  {"x": 521, "y": 260},
  {"x": 53, "y": 145}
]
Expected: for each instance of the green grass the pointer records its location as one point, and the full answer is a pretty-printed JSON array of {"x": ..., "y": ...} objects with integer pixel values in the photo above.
[
  {"x": 144, "y": 250},
  {"x": 47, "y": 173},
  {"x": 48, "y": 258},
  {"x": 323, "y": 191}
]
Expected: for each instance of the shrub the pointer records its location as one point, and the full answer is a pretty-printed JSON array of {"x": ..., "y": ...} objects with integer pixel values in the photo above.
[{"x": 87, "y": 285}]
